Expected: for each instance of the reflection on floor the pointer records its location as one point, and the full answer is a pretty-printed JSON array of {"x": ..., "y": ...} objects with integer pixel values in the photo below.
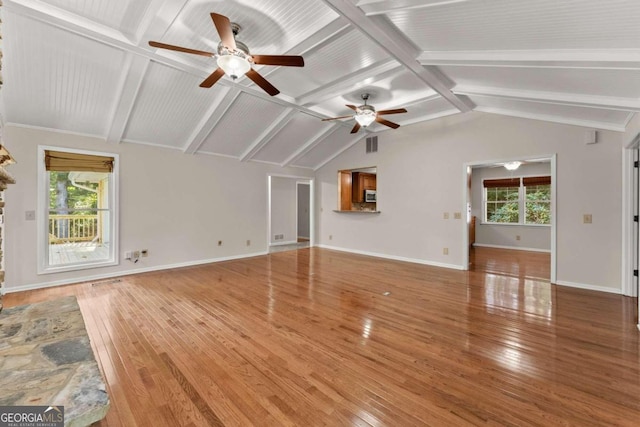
[
  {"x": 510, "y": 262},
  {"x": 291, "y": 247}
]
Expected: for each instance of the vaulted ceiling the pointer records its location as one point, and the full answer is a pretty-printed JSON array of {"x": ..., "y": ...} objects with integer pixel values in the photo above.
[{"x": 86, "y": 67}]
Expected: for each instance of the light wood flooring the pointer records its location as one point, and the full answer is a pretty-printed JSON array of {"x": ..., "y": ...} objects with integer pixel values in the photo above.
[{"x": 309, "y": 338}]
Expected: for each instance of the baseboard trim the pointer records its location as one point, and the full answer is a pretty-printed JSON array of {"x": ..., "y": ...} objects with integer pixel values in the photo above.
[
  {"x": 76, "y": 280},
  {"x": 288, "y": 242},
  {"x": 517, "y": 248},
  {"x": 393, "y": 257},
  {"x": 589, "y": 287}
]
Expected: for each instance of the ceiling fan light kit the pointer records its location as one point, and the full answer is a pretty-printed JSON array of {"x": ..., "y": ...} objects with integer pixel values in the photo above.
[
  {"x": 366, "y": 114},
  {"x": 233, "y": 57}
]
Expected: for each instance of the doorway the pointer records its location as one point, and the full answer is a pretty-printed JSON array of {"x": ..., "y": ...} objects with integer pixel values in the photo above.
[
  {"x": 303, "y": 211},
  {"x": 518, "y": 235},
  {"x": 290, "y": 213}
]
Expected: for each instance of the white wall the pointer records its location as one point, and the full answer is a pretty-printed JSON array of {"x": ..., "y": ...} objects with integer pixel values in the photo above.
[
  {"x": 531, "y": 236},
  {"x": 175, "y": 205},
  {"x": 421, "y": 175},
  {"x": 283, "y": 209}
]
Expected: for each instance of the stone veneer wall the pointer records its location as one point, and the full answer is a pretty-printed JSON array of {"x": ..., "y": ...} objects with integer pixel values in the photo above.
[{"x": 5, "y": 179}]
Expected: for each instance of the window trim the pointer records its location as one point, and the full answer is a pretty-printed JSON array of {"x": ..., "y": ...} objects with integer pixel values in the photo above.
[
  {"x": 42, "y": 219},
  {"x": 521, "y": 203}
]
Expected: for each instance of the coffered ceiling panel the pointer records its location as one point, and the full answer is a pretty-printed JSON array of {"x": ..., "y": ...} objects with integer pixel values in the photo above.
[
  {"x": 169, "y": 107},
  {"x": 122, "y": 15},
  {"x": 329, "y": 63},
  {"x": 532, "y": 24},
  {"x": 335, "y": 143},
  {"x": 299, "y": 131},
  {"x": 622, "y": 83},
  {"x": 588, "y": 117},
  {"x": 56, "y": 79},
  {"x": 242, "y": 125},
  {"x": 87, "y": 67}
]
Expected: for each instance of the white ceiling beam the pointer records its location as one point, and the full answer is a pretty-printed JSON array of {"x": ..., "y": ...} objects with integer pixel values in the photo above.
[
  {"x": 211, "y": 118},
  {"x": 385, "y": 35},
  {"x": 343, "y": 85},
  {"x": 268, "y": 134},
  {"x": 575, "y": 100},
  {"x": 609, "y": 59},
  {"x": 134, "y": 71},
  {"x": 309, "y": 145},
  {"x": 379, "y": 7},
  {"x": 592, "y": 124}
]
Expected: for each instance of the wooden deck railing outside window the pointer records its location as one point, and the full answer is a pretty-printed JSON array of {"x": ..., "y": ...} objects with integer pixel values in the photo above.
[{"x": 73, "y": 228}]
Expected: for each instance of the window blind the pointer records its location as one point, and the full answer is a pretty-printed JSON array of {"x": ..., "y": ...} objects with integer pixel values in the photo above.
[
  {"x": 68, "y": 162},
  {"x": 537, "y": 180},
  {"x": 500, "y": 183}
]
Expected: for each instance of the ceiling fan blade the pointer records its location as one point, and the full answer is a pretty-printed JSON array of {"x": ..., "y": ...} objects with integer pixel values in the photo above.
[
  {"x": 387, "y": 122},
  {"x": 285, "y": 60},
  {"x": 223, "y": 26},
  {"x": 213, "y": 78},
  {"x": 353, "y": 107},
  {"x": 396, "y": 111},
  {"x": 338, "y": 118},
  {"x": 356, "y": 128},
  {"x": 262, "y": 82},
  {"x": 180, "y": 49}
]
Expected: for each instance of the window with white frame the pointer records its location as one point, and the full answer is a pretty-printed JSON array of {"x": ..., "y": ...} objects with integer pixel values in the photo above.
[
  {"x": 523, "y": 200},
  {"x": 77, "y": 195}
]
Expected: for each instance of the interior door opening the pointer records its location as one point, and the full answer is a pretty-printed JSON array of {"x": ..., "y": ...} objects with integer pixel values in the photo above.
[{"x": 290, "y": 213}]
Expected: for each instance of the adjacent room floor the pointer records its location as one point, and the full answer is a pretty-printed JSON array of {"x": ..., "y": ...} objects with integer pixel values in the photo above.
[{"x": 318, "y": 337}]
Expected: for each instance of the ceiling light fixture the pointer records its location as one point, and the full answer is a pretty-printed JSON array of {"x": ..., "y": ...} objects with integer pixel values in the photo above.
[
  {"x": 236, "y": 62},
  {"x": 365, "y": 114},
  {"x": 511, "y": 166}
]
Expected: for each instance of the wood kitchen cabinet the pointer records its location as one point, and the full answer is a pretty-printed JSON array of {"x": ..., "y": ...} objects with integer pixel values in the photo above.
[{"x": 360, "y": 182}]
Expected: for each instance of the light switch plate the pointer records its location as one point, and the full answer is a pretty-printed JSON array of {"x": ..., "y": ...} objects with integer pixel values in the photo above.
[{"x": 587, "y": 219}]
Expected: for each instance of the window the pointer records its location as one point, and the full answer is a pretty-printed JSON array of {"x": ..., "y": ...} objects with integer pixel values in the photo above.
[
  {"x": 77, "y": 227},
  {"x": 518, "y": 200}
]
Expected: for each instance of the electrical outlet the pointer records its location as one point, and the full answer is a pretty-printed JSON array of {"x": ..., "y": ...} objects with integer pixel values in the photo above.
[
  {"x": 248, "y": 242},
  {"x": 518, "y": 237},
  {"x": 446, "y": 215},
  {"x": 587, "y": 219},
  {"x": 457, "y": 215},
  {"x": 330, "y": 236},
  {"x": 445, "y": 251},
  {"x": 136, "y": 254},
  {"x": 30, "y": 215},
  {"x": 127, "y": 255},
  {"x": 219, "y": 242},
  {"x": 144, "y": 252}
]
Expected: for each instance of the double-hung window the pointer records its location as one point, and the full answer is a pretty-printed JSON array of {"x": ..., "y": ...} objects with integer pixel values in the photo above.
[
  {"x": 77, "y": 209},
  {"x": 521, "y": 201}
]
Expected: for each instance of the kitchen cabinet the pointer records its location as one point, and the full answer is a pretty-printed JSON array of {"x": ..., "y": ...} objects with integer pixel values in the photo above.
[{"x": 360, "y": 182}]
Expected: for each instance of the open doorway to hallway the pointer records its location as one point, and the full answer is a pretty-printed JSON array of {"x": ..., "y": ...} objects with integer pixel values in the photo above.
[
  {"x": 290, "y": 213},
  {"x": 511, "y": 208}
]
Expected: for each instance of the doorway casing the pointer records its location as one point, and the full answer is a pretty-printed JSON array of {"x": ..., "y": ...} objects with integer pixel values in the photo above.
[
  {"x": 298, "y": 179},
  {"x": 467, "y": 205}
]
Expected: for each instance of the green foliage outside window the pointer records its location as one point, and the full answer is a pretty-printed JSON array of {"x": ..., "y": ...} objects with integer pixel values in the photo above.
[{"x": 503, "y": 205}]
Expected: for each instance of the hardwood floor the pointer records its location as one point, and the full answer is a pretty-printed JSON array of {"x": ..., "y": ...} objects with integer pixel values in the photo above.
[{"x": 309, "y": 338}]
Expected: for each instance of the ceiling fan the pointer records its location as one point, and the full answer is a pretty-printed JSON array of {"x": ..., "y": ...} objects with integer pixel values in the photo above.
[
  {"x": 234, "y": 58},
  {"x": 366, "y": 114}
]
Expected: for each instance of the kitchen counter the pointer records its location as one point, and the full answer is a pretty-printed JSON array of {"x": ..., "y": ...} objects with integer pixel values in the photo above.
[{"x": 357, "y": 211}]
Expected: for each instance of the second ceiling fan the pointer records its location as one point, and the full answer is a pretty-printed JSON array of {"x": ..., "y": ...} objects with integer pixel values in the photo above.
[
  {"x": 367, "y": 114},
  {"x": 234, "y": 58}
]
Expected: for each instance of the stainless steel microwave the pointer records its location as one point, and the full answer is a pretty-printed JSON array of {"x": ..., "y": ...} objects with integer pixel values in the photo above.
[{"x": 370, "y": 196}]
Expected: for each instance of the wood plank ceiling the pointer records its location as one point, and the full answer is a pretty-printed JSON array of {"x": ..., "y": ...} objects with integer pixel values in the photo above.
[{"x": 86, "y": 67}]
